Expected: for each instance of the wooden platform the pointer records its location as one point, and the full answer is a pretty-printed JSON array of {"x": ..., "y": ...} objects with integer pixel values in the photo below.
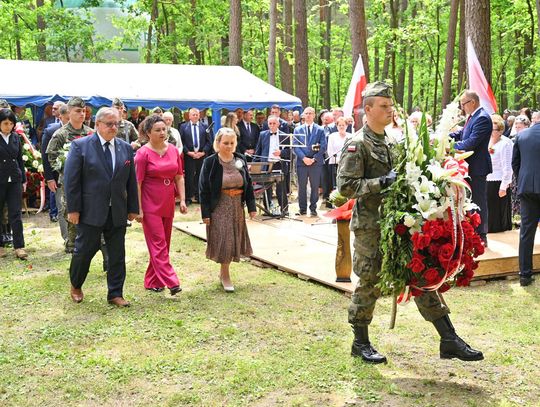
[{"x": 308, "y": 248}]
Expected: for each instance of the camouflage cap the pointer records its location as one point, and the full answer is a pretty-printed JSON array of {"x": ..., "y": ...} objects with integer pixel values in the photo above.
[
  {"x": 76, "y": 101},
  {"x": 379, "y": 88},
  {"x": 4, "y": 104},
  {"x": 117, "y": 102}
]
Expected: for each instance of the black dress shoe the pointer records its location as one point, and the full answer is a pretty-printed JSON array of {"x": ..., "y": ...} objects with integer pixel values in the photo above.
[
  {"x": 156, "y": 289},
  {"x": 525, "y": 281},
  {"x": 175, "y": 290},
  {"x": 314, "y": 213},
  {"x": 301, "y": 213}
]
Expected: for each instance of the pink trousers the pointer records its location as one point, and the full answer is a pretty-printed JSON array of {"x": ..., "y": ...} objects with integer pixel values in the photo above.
[{"x": 157, "y": 233}]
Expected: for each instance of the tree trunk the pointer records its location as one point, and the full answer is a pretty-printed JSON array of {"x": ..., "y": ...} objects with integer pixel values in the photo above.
[
  {"x": 503, "y": 96},
  {"x": 538, "y": 16},
  {"x": 376, "y": 63},
  {"x": 462, "y": 55},
  {"x": 153, "y": 18},
  {"x": 357, "y": 21},
  {"x": 325, "y": 26},
  {"x": 17, "y": 37},
  {"x": 272, "y": 43},
  {"x": 41, "y": 48},
  {"x": 410, "y": 82},
  {"x": 301, "y": 51},
  {"x": 285, "y": 55},
  {"x": 197, "y": 54},
  {"x": 400, "y": 84},
  {"x": 235, "y": 33},
  {"x": 518, "y": 72},
  {"x": 478, "y": 28},
  {"x": 437, "y": 63},
  {"x": 450, "y": 45}
]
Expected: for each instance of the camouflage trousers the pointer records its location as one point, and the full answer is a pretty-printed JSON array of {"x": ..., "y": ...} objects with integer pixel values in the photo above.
[
  {"x": 366, "y": 265},
  {"x": 68, "y": 229}
]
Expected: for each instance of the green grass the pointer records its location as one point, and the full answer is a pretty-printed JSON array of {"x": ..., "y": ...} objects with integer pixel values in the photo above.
[{"x": 277, "y": 340}]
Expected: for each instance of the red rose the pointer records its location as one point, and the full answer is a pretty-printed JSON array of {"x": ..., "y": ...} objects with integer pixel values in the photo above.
[
  {"x": 431, "y": 276},
  {"x": 443, "y": 288},
  {"x": 420, "y": 241},
  {"x": 451, "y": 266},
  {"x": 469, "y": 273},
  {"x": 417, "y": 263},
  {"x": 475, "y": 219},
  {"x": 433, "y": 250},
  {"x": 401, "y": 229},
  {"x": 462, "y": 281},
  {"x": 445, "y": 254}
]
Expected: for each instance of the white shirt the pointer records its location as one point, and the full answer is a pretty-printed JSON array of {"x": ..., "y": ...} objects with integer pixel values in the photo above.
[
  {"x": 335, "y": 145},
  {"x": 111, "y": 149},
  {"x": 6, "y": 139},
  {"x": 195, "y": 134},
  {"x": 501, "y": 160},
  {"x": 273, "y": 146},
  {"x": 248, "y": 126},
  {"x": 176, "y": 135}
]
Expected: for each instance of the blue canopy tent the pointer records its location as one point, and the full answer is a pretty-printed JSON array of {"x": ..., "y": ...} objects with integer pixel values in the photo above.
[{"x": 147, "y": 85}]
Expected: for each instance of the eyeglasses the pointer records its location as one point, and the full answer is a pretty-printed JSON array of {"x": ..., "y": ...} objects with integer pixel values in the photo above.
[
  {"x": 110, "y": 125},
  {"x": 464, "y": 103}
]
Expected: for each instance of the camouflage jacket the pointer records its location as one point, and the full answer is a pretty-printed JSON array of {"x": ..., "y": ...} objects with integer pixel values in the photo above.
[
  {"x": 127, "y": 131},
  {"x": 65, "y": 134},
  {"x": 365, "y": 158}
]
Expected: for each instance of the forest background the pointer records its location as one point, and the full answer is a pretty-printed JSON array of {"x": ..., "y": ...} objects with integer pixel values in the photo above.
[{"x": 305, "y": 47}]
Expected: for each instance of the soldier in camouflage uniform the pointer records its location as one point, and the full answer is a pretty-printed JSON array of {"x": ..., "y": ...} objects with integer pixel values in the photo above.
[
  {"x": 126, "y": 130},
  {"x": 365, "y": 170}
]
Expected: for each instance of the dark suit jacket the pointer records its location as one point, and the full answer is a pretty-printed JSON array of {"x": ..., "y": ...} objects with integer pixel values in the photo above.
[
  {"x": 248, "y": 139},
  {"x": 283, "y": 126},
  {"x": 526, "y": 160},
  {"x": 263, "y": 149},
  {"x": 89, "y": 187},
  {"x": 475, "y": 137},
  {"x": 317, "y": 136},
  {"x": 187, "y": 138},
  {"x": 11, "y": 162},
  {"x": 211, "y": 180},
  {"x": 45, "y": 139}
]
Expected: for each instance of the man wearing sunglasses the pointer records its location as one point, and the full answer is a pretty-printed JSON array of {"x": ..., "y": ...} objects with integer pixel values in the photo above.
[
  {"x": 475, "y": 137},
  {"x": 101, "y": 195}
]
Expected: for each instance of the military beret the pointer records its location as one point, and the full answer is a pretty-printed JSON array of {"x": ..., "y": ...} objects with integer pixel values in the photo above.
[
  {"x": 382, "y": 89},
  {"x": 117, "y": 102},
  {"x": 4, "y": 104},
  {"x": 76, "y": 102}
]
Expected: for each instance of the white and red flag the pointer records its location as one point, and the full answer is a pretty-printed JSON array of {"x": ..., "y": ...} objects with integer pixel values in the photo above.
[
  {"x": 478, "y": 82},
  {"x": 353, "y": 100}
]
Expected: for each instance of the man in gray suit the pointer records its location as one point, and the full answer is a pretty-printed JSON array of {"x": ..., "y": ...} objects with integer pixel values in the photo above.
[
  {"x": 526, "y": 166},
  {"x": 101, "y": 195}
]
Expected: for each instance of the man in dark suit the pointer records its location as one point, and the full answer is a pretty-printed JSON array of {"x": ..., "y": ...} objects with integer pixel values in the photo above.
[
  {"x": 284, "y": 127},
  {"x": 526, "y": 166},
  {"x": 249, "y": 135},
  {"x": 475, "y": 137},
  {"x": 101, "y": 194},
  {"x": 309, "y": 160},
  {"x": 271, "y": 148},
  {"x": 196, "y": 146},
  {"x": 51, "y": 176}
]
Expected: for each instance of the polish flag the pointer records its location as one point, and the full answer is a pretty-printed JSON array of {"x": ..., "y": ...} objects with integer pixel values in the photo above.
[
  {"x": 353, "y": 100},
  {"x": 478, "y": 82}
]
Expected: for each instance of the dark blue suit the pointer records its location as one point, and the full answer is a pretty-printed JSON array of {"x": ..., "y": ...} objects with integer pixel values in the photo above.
[
  {"x": 248, "y": 139},
  {"x": 12, "y": 169},
  {"x": 263, "y": 153},
  {"x": 526, "y": 166},
  {"x": 48, "y": 172},
  {"x": 311, "y": 172},
  {"x": 192, "y": 167},
  {"x": 475, "y": 137},
  {"x": 103, "y": 200}
]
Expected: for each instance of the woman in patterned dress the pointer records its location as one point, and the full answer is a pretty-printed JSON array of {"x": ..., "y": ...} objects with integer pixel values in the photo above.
[{"x": 224, "y": 187}]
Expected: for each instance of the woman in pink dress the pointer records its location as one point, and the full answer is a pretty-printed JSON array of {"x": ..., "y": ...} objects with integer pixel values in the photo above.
[{"x": 160, "y": 176}]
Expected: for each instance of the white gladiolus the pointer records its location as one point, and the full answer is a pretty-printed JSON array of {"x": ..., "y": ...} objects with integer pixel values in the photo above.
[
  {"x": 409, "y": 221},
  {"x": 40, "y": 168},
  {"x": 25, "y": 158},
  {"x": 35, "y": 163},
  {"x": 37, "y": 154},
  {"x": 26, "y": 146}
]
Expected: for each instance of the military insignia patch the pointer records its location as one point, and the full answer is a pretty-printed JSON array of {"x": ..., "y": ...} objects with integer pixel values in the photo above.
[{"x": 351, "y": 149}]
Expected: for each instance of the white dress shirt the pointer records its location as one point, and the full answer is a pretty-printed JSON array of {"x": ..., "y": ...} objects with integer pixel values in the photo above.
[
  {"x": 111, "y": 149},
  {"x": 273, "y": 146},
  {"x": 335, "y": 145},
  {"x": 501, "y": 160}
]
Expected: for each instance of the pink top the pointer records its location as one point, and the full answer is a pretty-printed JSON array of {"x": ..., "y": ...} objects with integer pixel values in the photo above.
[{"x": 156, "y": 175}]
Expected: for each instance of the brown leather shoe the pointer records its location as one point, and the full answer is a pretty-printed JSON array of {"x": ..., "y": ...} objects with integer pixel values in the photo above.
[
  {"x": 21, "y": 254},
  {"x": 76, "y": 294},
  {"x": 119, "y": 302}
]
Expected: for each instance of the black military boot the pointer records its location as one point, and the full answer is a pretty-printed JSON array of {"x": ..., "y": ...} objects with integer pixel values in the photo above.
[
  {"x": 452, "y": 346},
  {"x": 362, "y": 348}
]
